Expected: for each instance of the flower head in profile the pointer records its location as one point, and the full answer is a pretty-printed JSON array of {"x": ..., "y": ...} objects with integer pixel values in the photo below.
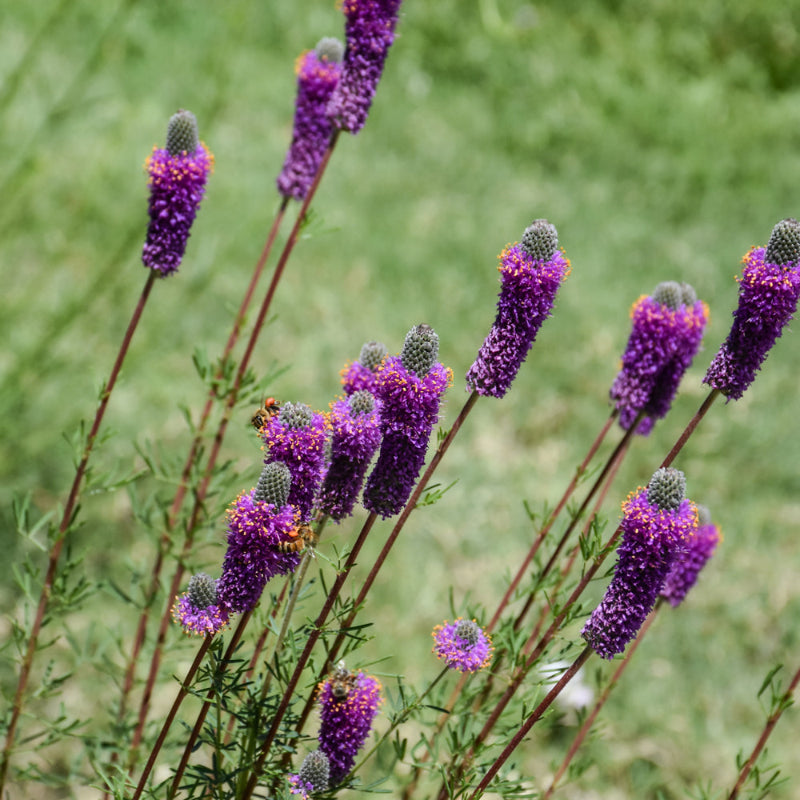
[
  {"x": 360, "y": 375},
  {"x": 410, "y": 389},
  {"x": 296, "y": 437},
  {"x": 355, "y": 438},
  {"x": 198, "y": 610},
  {"x": 369, "y": 33},
  {"x": 349, "y": 702},
  {"x": 667, "y": 328},
  {"x": 462, "y": 645},
  {"x": 314, "y": 776},
  {"x": 178, "y": 175},
  {"x": 699, "y": 548},
  {"x": 531, "y": 273},
  {"x": 317, "y": 75},
  {"x": 768, "y": 292},
  {"x": 657, "y": 523}
]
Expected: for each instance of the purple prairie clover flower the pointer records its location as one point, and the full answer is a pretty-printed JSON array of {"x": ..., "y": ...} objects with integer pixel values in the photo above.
[
  {"x": 317, "y": 75},
  {"x": 666, "y": 332},
  {"x": 409, "y": 388},
  {"x": 296, "y": 436},
  {"x": 656, "y": 524},
  {"x": 354, "y": 440},
  {"x": 349, "y": 702},
  {"x": 178, "y": 175},
  {"x": 699, "y": 548},
  {"x": 768, "y": 292},
  {"x": 314, "y": 775},
  {"x": 198, "y": 610},
  {"x": 462, "y": 645},
  {"x": 530, "y": 274},
  {"x": 255, "y": 531},
  {"x": 360, "y": 375},
  {"x": 369, "y": 33}
]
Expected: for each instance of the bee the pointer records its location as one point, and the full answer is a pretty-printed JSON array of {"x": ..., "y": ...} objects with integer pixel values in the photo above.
[
  {"x": 304, "y": 537},
  {"x": 266, "y": 411},
  {"x": 342, "y": 681}
]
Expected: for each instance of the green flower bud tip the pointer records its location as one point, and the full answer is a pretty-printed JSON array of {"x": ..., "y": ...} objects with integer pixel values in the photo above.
[
  {"x": 316, "y": 770},
  {"x": 540, "y": 240},
  {"x": 689, "y": 295},
  {"x": 295, "y": 415},
  {"x": 784, "y": 243},
  {"x": 372, "y": 354},
  {"x": 420, "y": 350},
  {"x": 202, "y": 590},
  {"x": 330, "y": 48},
  {"x": 703, "y": 516},
  {"x": 362, "y": 402},
  {"x": 274, "y": 484},
  {"x": 468, "y": 630},
  {"x": 669, "y": 294},
  {"x": 666, "y": 489},
  {"x": 182, "y": 133}
]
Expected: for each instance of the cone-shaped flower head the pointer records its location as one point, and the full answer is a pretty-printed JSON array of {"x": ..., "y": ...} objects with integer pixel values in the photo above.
[
  {"x": 666, "y": 333},
  {"x": 768, "y": 293},
  {"x": 314, "y": 775},
  {"x": 274, "y": 484},
  {"x": 410, "y": 400},
  {"x": 530, "y": 274},
  {"x": 317, "y": 75},
  {"x": 699, "y": 548},
  {"x": 178, "y": 174},
  {"x": 360, "y": 375},
  {"x": 369, "y": 33},
  {"x": 198, "y": 610},
  {"x": 462, "y": 645},
  {"x": 355, "y": 438},
  {"x": 296, "y": 437},
  {"x": 657, "y": 523},
  {"x": 256, "y": 530},
  {"x": 349, "y": 702}
]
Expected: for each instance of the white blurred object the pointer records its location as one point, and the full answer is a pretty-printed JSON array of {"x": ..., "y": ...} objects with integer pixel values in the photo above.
[{"x": 574, "y": 696}]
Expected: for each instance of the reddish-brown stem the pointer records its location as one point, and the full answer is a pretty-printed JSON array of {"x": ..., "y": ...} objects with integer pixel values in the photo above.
[
  {"x": 182, "y": 692},
  {"x": 398, "y": 526},
  {"x": 313, "y": 637},
  {"x": 535, "y": 716},
  {"x": 202, "y": 490},
  {"x": 63, "y": 528},
  {"x": 772, "y": 720},
  {"x": 689, "y": 430},
  {"x": 601, "y": 701},
  {"x": 549, "y": 522}
]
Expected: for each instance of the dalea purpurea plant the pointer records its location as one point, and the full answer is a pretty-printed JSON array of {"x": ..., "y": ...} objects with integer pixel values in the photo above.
[{"x": 279, "y": 690}]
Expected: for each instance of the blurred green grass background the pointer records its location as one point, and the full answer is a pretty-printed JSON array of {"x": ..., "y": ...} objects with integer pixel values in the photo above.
[{"x": 661, "y": 139}]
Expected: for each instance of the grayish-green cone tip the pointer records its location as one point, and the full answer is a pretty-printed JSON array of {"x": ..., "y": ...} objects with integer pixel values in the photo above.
[
  {"x": 182, "y": 133},
  {"x": 540, "y": 240},
  {"x": 329, "y": 48},
  {"x": 784, "y": 243},
  {"x": 295, "y": 415},
  {"x": 274, "y": 484},
  {"x": 362, "y": 402},
  {"x": 420, "y": 350},
  {"x": 666, "y": 489},
  {"x": 202, "y": 590}
]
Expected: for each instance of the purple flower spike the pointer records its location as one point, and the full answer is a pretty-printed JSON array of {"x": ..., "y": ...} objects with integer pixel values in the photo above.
[
  {"x": 348, "y": 705},
  {"x": 360, "y": 375},
  {"x": 296, "y": 436},
  {"x": 314, "y": 775},
  {"x": 317, "y": 75},
  {"x": 698, "y": 550},
  {"x": 369, "y": 33},
  {"x": 768, "y": 293},
  {"x": 657, "y": 523},
  {"x": 665, "y": 336},
  {"x": 355, "y": 439},
  {"x": 198, "y": 611},
  {"x": 463, "y": 645},
  {"x": 177, "y": 183},
  {"x": 255, "y": 532},
  {"x": 410, "y": 389},
  {"x": 531, "y": 273}
]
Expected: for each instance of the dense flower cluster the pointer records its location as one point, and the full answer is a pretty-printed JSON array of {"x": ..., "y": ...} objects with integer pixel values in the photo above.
[
  {"x": 653, "y": 535},
  {"x": 531, "y": 274},
  {"x": 462, "y": 645},
  {"x": 768, "y": 294},
  {"x": 198, "y": 611},
  {"x": 360, "y": 375},
  {"x": 314, "y": 775},
  {"x": 177, "y": 183},
  {"x": 666, "y": 333},
  {"x": 369, "y": 33},
  {"x": 317, "y": 75},
  {"x": 348, "y": 705}
]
